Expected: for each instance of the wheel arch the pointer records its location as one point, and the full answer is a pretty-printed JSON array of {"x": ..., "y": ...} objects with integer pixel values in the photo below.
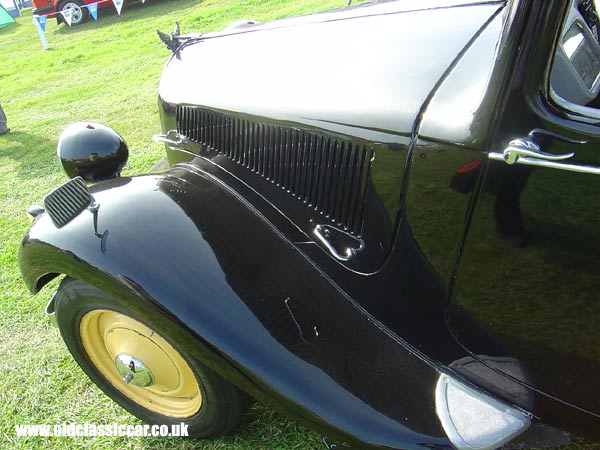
[{"x": 47, "y": 253}]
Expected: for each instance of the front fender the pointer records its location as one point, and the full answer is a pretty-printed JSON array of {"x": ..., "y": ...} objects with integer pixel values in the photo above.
[{"x": 188, "y": 254}]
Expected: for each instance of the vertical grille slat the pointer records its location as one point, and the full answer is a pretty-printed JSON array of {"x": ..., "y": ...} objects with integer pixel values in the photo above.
[
  {"x": 270, "y": 153},
  {"x": 329, "y": 175},
  {"x": 343, "y": 185},
  {"x": 353, "y": 160},
  {"x": 223, "y": 133},
  {"x": 243, "y": 146},
  {"x": 237, "y": 136},
  {"x": 257, "y": 148},
  {"x": 235, "y": 129},
  {"x": 267, "y": 152},
  {"x": 210, "y": 125},
  {"x": 190, "y": 116},
  {"x": 302, "y": 163},
  {"x": 196, "y": 126},
  {"x": 286, "y": 143},
  {"x": 261, "y": 150},
  {"x": 319, "y": 180},
  {"x": 230, "y": 138},
  {"x": 206, "y": 126},
  {"x": 277, "y": 156},
  {"x": 252, "y": 150},
  {"x": 293, "y": 161},
  {"x": 299, "y": 164},
  {"x": 200, "y": 128},
  {"x": 247, "y": 144},
  {"x": 335, "y": 182},
  {"x": 282, "y": 156},
  {"x": 324, "y": 157},
  {"x": 213, "y": 131},
  {"x": 309, "y": 169}
]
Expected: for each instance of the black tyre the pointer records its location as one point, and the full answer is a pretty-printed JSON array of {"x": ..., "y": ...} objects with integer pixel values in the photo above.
[
  {"x": 79, "y": 13},
  {"x": 141, "y": 369}
]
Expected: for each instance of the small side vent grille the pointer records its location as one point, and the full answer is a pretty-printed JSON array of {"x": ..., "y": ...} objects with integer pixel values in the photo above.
[
  {"x": 326, "y": 174},
  {"x": 66, "y": 201}
]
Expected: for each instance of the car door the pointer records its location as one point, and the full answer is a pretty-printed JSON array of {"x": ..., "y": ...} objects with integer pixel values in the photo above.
[{"x": 529, "y": 270}]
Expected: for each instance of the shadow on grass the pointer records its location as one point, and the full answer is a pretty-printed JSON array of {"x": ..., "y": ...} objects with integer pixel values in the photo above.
[
  {"x": 262, "y": 428},
  {"x": 131, "y": 11},
  {"x": 9, "y": 29},
  {"x": 33, "y": 153}
]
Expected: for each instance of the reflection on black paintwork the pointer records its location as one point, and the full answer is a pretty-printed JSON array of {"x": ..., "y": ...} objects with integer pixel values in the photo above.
[
  {"x": 388, "y": 175},
  {"x": 442, "y": 178},
  {"x": 531, "y": 260},
  {"x": 303, "y": 313}
]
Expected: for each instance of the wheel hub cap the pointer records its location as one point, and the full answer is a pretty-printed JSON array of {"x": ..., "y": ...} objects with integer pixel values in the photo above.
[
  {"x": 133, "y": 370},
  {"x": 140, "y": 363}
]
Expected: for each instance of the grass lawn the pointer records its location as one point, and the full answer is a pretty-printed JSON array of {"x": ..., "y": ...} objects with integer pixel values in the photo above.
[{"x": 105, "y": 71}]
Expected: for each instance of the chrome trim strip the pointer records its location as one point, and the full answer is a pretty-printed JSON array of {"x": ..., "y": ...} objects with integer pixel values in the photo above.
[{"x": 548, "y": 164}]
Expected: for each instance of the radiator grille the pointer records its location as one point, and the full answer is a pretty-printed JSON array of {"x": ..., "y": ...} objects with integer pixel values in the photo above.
[{"x": 326, "y": 174}]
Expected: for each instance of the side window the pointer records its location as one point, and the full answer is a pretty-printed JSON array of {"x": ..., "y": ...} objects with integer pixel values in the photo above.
[{"x": 575, "y": 77}]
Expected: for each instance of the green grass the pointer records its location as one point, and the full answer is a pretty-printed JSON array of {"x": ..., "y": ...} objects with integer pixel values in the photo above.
[{"x": 105, "y": 71}]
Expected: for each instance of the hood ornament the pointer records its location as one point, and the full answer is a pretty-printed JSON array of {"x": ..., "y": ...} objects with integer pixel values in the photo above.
[{"x": 175, "y": 39}]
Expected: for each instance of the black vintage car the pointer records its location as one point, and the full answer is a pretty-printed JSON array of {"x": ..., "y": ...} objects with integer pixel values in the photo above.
[{"x": 382, "y": 221}]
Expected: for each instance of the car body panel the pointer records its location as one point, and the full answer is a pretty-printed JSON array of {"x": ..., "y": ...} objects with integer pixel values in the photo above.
[
  {"x": 526, "y": 271},
  {"x": 323, "y": 90},
  {"x": 461, "y": 109},
  {"x": 262, "y": 328},
  {"x": 323, "y": 105}
]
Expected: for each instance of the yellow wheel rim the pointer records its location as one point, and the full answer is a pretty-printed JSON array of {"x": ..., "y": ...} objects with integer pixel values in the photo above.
[{"x": 174, "y": 391}]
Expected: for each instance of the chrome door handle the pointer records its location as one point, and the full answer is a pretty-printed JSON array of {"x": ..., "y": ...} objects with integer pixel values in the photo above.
[
  {"x": 172, "y": 137},
  {"x": 526, "y": 151},
  {"x": 526, "y": 147},
  {"x": 325, "y": 232}
]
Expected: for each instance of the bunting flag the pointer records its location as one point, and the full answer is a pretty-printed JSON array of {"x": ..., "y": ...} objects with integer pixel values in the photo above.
[
  {"x": 93, "y": 9},
  {"x": 38, "y": 21},
  {"x": 118, "y": 5},
  {"x": 67, "y": 15},
  {"x": 41, "y": 20}
]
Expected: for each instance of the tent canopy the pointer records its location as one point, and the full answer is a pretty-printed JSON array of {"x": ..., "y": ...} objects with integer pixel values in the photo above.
[{"x": 5, "y": 17}]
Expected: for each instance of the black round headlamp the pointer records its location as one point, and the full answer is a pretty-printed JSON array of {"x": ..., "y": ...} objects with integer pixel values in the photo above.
[{"x": 92, "y": 151}]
